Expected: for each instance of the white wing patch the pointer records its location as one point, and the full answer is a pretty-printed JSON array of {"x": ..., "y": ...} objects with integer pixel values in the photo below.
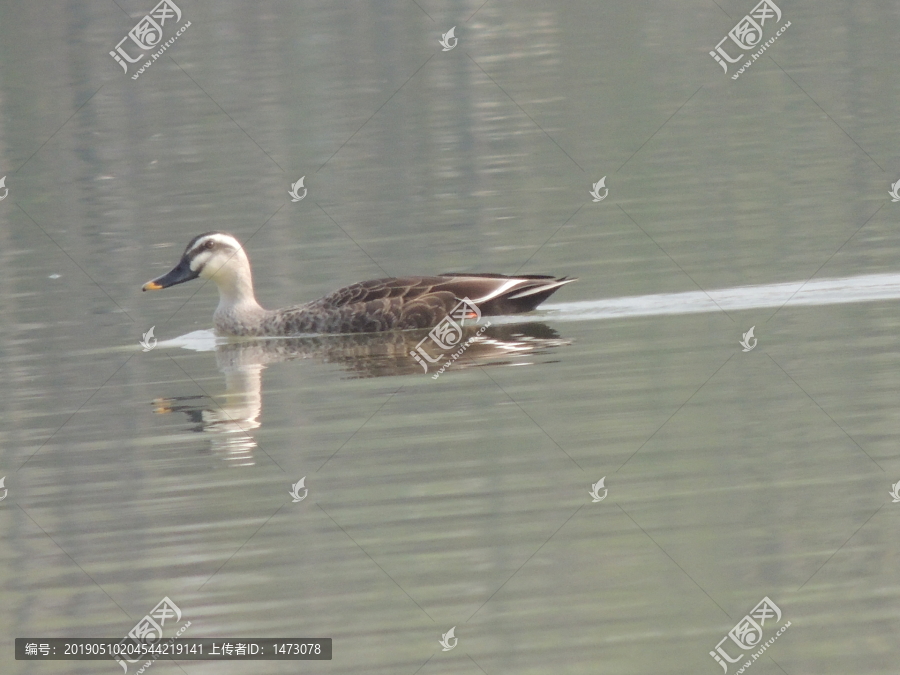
[{"x": 499, "y": 291}]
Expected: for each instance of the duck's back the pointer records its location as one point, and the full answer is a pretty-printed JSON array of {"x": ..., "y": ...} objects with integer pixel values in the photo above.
[{"x": 410, "y": 302}]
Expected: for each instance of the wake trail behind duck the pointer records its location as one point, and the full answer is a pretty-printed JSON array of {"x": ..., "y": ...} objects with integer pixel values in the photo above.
[{"x": 846, "y": 290}]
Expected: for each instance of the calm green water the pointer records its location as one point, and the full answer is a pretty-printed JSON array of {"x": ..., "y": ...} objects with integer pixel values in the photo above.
[{"x": 463, "y": 501}]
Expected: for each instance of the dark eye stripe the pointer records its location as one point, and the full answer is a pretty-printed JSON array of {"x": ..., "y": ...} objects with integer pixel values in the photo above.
[
  {"x": 205, "y": 246},
  {"x": 209, "y": 245}
]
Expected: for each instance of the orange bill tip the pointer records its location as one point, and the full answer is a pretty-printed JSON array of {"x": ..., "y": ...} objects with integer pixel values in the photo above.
[{"x": 151, "y": 286}]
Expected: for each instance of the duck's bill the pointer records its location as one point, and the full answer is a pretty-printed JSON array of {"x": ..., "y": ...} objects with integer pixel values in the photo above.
[{"x": 178, "y": 275}]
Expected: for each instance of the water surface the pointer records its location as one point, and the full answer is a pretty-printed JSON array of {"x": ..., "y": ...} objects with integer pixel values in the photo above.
[{"x": 462, "y": 501}]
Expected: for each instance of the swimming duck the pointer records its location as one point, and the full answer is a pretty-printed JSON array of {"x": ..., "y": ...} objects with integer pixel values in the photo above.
[{"x": 367, "y": 307}]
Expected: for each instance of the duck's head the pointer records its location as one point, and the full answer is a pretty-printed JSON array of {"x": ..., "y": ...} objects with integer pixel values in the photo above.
[{"x": 212, "y": 255}]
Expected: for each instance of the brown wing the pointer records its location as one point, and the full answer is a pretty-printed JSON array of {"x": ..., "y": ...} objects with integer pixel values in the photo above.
[
  {"x": 405, "y": 288},
  {"x": 494, "y": 293},
  {"x": 414, "y": 302}
]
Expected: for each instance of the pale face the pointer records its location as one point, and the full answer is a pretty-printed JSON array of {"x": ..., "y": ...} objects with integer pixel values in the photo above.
[{"x": 214, "y": 255}]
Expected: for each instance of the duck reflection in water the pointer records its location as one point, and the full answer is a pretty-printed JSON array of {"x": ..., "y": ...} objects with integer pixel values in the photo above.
[{"x": 227, "y": 419}]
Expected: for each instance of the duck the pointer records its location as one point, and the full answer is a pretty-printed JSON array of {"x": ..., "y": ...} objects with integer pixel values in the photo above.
[{"x": 395, "y": 303}]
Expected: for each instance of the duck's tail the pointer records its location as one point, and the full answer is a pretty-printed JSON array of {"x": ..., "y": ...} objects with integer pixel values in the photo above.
[{"x": 499, "y": 294}]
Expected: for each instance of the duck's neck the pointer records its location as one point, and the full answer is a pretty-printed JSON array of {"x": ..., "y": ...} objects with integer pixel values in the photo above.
[{"x": 238, "y": 312}]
